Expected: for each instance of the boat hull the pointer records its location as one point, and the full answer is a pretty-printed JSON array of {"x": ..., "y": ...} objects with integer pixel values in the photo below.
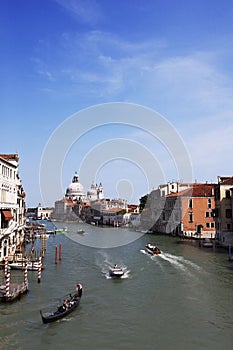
[
  {"x": 152, "y": 250},
  {"x": 116, "y": 273},
  {"x": 57, "y": 315},
  {"x": 30, "y": 267}
]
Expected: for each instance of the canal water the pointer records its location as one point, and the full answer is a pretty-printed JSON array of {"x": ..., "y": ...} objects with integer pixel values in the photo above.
[{"x": 181, "y": 299}]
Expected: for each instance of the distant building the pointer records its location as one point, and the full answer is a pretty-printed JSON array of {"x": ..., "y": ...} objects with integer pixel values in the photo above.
[
  {"x": 75, "y": 190},
  {"x": 12, "y": 206},
  {"x": 95, "y": 193},
  {"x": 189, "y": 213},
  {"x": 151, "y": 215},
  {"x": 64, "y": 210},
  {"x": 181, "y": 209},
  {"x": 223, "y": 212},
  {"x": 44, "y": 213}
]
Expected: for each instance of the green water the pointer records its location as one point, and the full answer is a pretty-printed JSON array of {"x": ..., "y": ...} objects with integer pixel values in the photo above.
[{"x": 181, "y": 299}]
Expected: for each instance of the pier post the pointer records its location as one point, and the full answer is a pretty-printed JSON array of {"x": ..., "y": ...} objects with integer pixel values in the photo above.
[
  {"x": 229, "y": 252},
  {"x": 56, "y": 254},
  {"x": 25, "y": 279},
  {"x": 6, "y": 266},
  {"x": 8, "y": 276},
  {"x": 60, "y": 252},
  {"x": 39, "y": 269}
]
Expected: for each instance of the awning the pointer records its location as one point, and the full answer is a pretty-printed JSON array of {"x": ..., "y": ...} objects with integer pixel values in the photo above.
[{"x": 7, "y": 215}]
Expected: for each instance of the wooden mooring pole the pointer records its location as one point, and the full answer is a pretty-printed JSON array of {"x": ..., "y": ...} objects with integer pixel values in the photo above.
[
  {"x": 60, "y": 252},
  {"x": 56, "y": 254}
]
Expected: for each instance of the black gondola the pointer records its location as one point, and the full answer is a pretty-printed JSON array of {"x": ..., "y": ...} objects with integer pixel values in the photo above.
[{"x": 66, "y": 308}]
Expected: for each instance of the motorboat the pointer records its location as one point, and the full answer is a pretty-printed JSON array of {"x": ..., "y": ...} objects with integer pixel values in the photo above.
[
  {"x": 207, "y": 243},
  {"x": 116, "y": 271},
  {"x": 31, "y": 265},
  {"x": 81, "y": 232},
  {"x": 152, "y": 249}
]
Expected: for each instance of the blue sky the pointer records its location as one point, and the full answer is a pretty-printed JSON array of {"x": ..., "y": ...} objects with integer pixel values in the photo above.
[{"x": 59, "y": 57}]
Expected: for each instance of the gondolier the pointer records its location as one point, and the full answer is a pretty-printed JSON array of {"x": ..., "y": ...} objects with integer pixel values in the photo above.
[{"x": 79, "y": 289}]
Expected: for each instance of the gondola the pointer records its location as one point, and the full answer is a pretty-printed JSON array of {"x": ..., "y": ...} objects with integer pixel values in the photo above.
[{"x": 65, "y": 309}]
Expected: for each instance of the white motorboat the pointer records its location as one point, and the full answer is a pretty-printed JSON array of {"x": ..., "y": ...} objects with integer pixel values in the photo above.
[
  {"x": 31, "y": 266},
  {"x": 81, "y": 232},
  {"x": 152, "y": 249},
  {"x": 116, "y": 271}
]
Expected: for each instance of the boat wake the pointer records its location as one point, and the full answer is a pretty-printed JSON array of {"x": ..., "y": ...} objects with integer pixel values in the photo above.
[
  {"x": 105, "y": 262},
  {"x": 126, "y": 273},
  {"x": 178, "y": 262}
]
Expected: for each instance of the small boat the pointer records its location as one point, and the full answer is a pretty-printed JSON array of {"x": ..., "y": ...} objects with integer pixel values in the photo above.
[
  {"x": 81, "y": 232},
  {"x": 31, "y": 266},
  {"x": 116, "y": 271},
  {"x": 207, "y": 243},
  {"x": 152, "y": 249},
  {"x": 64, "y": 309}
]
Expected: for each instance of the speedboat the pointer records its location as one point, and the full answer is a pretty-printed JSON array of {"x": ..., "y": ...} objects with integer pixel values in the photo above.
[
  {"x": 81, "y": 232},
  {"x": 116, "y": 271},
  {"x": 152, "y": 249}
]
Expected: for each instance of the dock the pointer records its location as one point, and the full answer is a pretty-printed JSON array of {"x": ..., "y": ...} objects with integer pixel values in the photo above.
[{"x": 15, "y": 292}]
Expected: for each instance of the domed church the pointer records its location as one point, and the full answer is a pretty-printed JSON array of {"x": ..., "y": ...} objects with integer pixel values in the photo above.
[
  {"x": 75, "y": 190},
  {"x": 95, "y": 192}
]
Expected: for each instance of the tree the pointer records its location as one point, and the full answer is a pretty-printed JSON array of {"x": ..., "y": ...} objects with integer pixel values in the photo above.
[{"x": 143, "y": 201}]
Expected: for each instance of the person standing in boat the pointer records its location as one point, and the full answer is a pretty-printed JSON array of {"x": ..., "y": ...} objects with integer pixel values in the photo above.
[{"x": 79, "y": 289}]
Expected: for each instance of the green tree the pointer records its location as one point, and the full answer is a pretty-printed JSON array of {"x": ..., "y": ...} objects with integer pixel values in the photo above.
[{"x": 143, "y": 201}]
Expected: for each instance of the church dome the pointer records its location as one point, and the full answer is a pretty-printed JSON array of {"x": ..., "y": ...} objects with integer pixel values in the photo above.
[{"x": 75, "y": 189}]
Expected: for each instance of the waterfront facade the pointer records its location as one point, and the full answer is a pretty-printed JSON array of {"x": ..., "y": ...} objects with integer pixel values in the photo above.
[
  {"x": 64, "y": 210},
  {"x": 12, "y": 205},
  {"x": 181, "y": 209},
  {"x": 223, "y": 212},
  {"x": 189, "y": 213}
]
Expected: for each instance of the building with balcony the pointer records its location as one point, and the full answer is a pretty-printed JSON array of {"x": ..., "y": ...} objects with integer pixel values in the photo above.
[{"x": 12, "y": 206}]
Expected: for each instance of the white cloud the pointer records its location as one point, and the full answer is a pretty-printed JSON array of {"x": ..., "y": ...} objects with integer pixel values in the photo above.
[{"x": 87, "y": 11}]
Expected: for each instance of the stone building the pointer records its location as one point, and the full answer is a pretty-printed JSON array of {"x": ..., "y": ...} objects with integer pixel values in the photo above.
[
  {"x": 223, "y": 212},
  {"x": 12, "y": 206}
]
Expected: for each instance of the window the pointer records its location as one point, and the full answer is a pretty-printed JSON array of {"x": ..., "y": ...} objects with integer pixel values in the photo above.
[
  {"x": 228, "y": 227},
  {"x": 228, "y": 194},
  {"x": 228, "y": 213},
  {"x": 208, "y": 225},
  {"x": 209, "y": 203},
  {"x": 190, "y": 217},
  {"x": 207, "y": 214},
  {"x": 190, "y": 203},
  {"x": 212, "y": 224}
]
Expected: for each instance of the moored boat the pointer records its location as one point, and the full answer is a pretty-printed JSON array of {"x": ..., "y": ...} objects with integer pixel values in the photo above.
[
  {"x": 152, "y": 249},
  {"x": 116, "y": 271},
  {"x": 31, "y": 266},
  {"x": 64, "y": 309}
]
